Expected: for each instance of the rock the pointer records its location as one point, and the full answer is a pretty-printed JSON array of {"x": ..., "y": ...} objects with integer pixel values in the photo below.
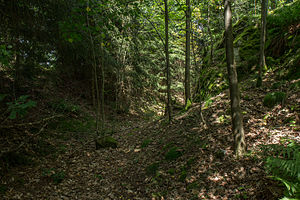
[{"x": 106, "y": 142}]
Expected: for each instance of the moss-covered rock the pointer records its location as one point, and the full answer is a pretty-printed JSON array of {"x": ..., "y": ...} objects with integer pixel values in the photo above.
[
  {"x": 274, "y": 98},
  {"x": 106, "y": 142}
]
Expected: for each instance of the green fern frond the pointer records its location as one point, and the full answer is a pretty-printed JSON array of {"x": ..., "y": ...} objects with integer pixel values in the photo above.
[{"x": 284, "y": 165}]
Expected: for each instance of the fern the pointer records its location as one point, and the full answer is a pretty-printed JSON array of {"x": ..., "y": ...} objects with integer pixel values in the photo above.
[{"x": 284, "y": 165}]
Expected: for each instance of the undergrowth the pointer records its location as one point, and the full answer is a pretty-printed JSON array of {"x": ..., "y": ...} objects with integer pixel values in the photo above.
[{"x": 283, "y": 164}]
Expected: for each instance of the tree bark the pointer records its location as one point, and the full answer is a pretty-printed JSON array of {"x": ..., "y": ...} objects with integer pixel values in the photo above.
[
  {"x": 236, "y": 116},
  {"x": 262, "y": 59},
  {"x": 188, "y": 53},
  {"x": 169, "y": 109}
]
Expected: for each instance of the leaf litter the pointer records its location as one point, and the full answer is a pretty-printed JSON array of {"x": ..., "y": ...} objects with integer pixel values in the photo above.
[{"x": 203, "y": 166}]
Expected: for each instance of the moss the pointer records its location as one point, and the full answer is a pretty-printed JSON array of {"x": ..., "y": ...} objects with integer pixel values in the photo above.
[
  {"x": 58, "y": 177},
  {"x": 171, "y": 171},
  {"x": 173, "y": 154},
  {"x": 72, "y": 125},
  {"x": 271, "y": 99},
  {"x": 183, "y": 175},
  {"x": 146, "y": 142},
  {"x": 292, "y": 65},
  {"x": 106, "y": 142},
  {"x": 152, "y": 168}
]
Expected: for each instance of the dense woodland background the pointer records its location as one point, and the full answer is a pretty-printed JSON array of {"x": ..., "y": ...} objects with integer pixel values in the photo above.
[{"x": 127, "y": 99}]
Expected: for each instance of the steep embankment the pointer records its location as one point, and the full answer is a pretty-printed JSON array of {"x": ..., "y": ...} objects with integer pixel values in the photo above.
[{"x": 282, "y": 50}]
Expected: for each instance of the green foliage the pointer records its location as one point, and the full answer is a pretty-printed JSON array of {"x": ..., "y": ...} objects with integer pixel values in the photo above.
[
  {"x": 65, "y": 125},
  {"x": 172, "y": 171},
  {"x": 146, "y": 142},
  {"x": 208, "y": 103},
  {"x": 284, "y": 165},
  {"x": 224, "y": 119},
  {"x": 295, "y": 86},
  {"x": 277, "y": 85},
  {"x": 3, "y": 189},
  {"x": 173, "y": 154},
  {"x": 247, "y": 43},
  {"x": 2, "y": 97},
  {"x": 99, "y": 176},
  {"x": 20, "y": 107},
  {"x": 152, "y": 169},
  {"x": 183, "y": 175},
  {"x": 271, "y": 99},
  {"x": 5, "y": 54},
  {"x": 63, "y": 106},
  {"x": 292, "y": 65},
  {"x": 188, "y": 105},
  {"x": 58, "y": 177},
  {"x": 285, "y": 15},
  {"x": 192, "y": 186},
  {"x": 212, "y": 82}
]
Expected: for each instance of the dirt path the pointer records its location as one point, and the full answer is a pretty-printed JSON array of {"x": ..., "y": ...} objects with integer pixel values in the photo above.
[{"x": 160, "y": 161}]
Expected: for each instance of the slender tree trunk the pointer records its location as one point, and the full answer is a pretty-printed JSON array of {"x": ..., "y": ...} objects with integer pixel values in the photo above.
[
  {"x": 102, "y": 90},
  {"x": 254, "y": 7},
  {"x": 198, "y": 85},
  {"x": 93, "y": 89},
  {"x": 236, "y": 116},
  {"x": 188, "y": 53},
  {"x": 95, "y": 72},
  {"x": 262, "y": 59},
  {"x": 210, "y": 34},
  {"x": 168, "y": 61}
]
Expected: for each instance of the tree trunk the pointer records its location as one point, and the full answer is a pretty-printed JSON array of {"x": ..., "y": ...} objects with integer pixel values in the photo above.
[
  {"x": 198, "y": 85},
  {"x": 102, "y": 90},
  {"x": 94, "y": 72},
  {"x": 254, "y": 7},
  {"x": 188, "y": 53},
  {"x": 236, "y": 116},
  {"x": 168, "y": 61},
  {"x": 262, "y": 59},
  {"x": 210, "y": 35}
]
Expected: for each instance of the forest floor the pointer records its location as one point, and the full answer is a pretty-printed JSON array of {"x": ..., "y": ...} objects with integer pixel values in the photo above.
[{"x": 157, "y": 160}]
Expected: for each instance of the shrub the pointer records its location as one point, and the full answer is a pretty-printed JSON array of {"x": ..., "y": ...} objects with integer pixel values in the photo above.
[
  {"x": 20, "y": 106},
  {"x": 271, "y": 99}
]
